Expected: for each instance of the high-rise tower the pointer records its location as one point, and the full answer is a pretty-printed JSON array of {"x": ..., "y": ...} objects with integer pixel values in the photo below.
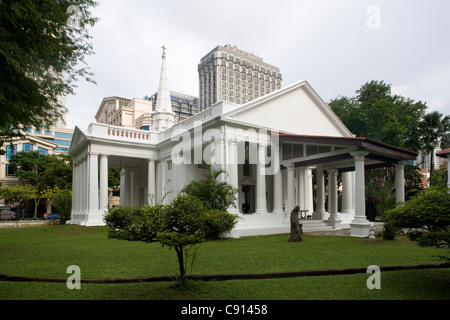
[{"x": 230, "y": 74}]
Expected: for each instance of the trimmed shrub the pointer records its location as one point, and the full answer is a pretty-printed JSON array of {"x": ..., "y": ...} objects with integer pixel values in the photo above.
[{"x": 217, "y": 222}]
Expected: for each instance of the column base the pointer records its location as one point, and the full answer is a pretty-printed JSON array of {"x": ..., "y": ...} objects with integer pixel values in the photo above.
[
  {"x": 334, "y": 221},
  {"x": 95, "y": 218},
  {"x": 320, "y": 215},
  {"x": 360, "y": 229},
  {"x": 260, "y": 211},
  {"x": 233, "y": 210}
]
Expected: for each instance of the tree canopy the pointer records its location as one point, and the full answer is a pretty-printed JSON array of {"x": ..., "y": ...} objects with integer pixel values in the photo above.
[
  {"x": 39, "y": 173},
  {"x": 374, "y": 112},
  {"x": 43, "y": 43}
]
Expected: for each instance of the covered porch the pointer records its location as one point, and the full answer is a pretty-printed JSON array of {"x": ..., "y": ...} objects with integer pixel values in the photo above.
[{"x": 350, "y": 156}]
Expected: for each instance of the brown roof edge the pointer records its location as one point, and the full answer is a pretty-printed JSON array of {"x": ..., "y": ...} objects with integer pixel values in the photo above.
[
  {"x": 356, "y": 141},
  {"x": 443, "y": 153}
]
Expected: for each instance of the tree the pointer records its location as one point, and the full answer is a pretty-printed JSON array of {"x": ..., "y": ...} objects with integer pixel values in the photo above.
[
  {"x": 42, "y": 44},
  {"x": 181, "y": 225},
  {"x": 114, "y": 179},
  {"x": 215, "y": 194},
  {"x": 42, "y": 172},
  {"x": 378, "y": 114},
  {"x": 61, "y": 200},
  {"x": 426, "y": 215},
  {"x": 183, "y": 228},
  {"x": 433, "y": 127},
  {"x": 20, "y": 194}
]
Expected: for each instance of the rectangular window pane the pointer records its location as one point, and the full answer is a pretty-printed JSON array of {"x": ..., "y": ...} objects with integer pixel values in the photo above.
[
  {"x": 10, "y": 151},
  {"x": 27, "y": 147}
]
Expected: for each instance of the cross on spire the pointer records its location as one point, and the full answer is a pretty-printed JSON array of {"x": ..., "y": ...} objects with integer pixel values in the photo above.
[{"x": 164, "y": 50}]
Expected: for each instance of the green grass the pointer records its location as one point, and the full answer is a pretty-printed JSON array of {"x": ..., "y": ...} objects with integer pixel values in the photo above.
[{"x": 48, "y": 251}]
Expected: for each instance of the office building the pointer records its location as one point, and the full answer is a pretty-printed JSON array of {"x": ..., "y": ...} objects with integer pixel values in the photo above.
[{"x": 229, "y": 74}]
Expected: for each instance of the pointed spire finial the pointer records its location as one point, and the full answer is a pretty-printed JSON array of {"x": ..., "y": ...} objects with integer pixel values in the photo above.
[{"x": 163, "y": 103}]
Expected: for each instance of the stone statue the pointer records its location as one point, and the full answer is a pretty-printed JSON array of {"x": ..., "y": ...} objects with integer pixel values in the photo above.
[{"x": 296, "y": 226}]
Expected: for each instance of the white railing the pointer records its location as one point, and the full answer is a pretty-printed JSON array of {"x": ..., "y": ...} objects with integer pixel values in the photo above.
[{"x": 123, "y": 134}]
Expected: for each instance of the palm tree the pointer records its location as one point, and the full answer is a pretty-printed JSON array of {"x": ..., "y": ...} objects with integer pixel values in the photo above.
[
  {"x": 432, "y": 128},
  {"x": 214, "y": 193}
]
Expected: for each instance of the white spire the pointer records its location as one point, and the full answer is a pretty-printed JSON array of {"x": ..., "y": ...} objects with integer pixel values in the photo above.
[{"x": 163, "y": 103}]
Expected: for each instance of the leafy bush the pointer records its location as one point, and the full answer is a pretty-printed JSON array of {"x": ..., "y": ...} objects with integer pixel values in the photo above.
[
  {"x": 217, "y": 222},
  {"x": 134, "y": 223},
  {"x": 215, "y": 194},
  {"x": 426, "y": 215}
]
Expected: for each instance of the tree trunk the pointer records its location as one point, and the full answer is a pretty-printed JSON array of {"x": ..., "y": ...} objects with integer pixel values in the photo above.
[
  {"x": 179, "y": 250},
  {"x": 36, "y": 204}
]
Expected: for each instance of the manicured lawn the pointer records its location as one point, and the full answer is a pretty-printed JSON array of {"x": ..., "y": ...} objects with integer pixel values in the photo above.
[{"x": 48, "y": 251}]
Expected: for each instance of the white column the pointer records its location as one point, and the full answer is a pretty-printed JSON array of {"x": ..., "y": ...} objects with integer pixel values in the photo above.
[
  {"x": 320, "y": 213},
  {"x": 309, "y": 198},
  {"x": 334, "y": 220},
  {"x": 219, "y": 154},
  {"x": 93, "y": 182},
  {"x": 84, "y": 186},
  {"x": 290, "y": 188},
  {"x": 75, "y": 194},
  {"x": 163, "y": 166},
  {"x": 134, "y": 188},
  {"x": 151, "y": 182},
  {"x": 278, "y": 191},
  {"x": 122, "y": 187},
  {"x": 347, "y": 193},
  {"x": 233, "y": 173},
  {"x": 360, "y": 225},
  {"x": 300, "y": 187},
  {"x": 261, "y": 204},
  {"x": 400, "y": 182},
  {"x": 75, "y": 188},
  {"x": 104, "y": 192}
]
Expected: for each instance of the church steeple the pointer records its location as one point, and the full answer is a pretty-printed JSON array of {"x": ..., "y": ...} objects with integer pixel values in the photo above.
[
  {"x": 163, "y": 103},
  {"x": 163, "y": 116}
]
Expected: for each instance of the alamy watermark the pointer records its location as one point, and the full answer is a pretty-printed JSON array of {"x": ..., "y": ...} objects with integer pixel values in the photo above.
[
  {"x": 74, "y": 281},
  {"x": 374, "y": 281},
  {"x": 373, "y": 22},
  {"x": 75, "y": 16},
  {"x": 212, "y": 146}
]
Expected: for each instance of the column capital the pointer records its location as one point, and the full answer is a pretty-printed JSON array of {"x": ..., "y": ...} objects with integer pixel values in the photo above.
[
  {"x": 359, "y": 155},
  {"x": 401, "y": 163},
  {"x": 332, "y": 171}
]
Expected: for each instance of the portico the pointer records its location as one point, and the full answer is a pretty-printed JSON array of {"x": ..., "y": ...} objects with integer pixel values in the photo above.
[{"x": 349, "y": 156}]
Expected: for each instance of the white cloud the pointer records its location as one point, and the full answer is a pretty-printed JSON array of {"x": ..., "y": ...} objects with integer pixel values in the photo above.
[{"x": 326, "y": 42}]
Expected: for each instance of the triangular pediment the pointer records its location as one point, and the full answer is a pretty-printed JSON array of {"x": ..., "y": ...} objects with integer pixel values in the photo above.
[
  {"x": 78, "y": 138},
  {"x": 295, "y": 109}
]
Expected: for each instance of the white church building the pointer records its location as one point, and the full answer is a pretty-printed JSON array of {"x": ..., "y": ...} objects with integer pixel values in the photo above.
[{"x": 268, "y": 147}]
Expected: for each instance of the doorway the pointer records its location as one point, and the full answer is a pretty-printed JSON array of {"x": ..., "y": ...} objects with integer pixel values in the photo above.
[{"x": 248, "y": 203}]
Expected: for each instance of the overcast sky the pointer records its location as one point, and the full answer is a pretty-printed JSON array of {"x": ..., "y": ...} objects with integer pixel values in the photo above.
[{"x": 336, "y": 45}]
